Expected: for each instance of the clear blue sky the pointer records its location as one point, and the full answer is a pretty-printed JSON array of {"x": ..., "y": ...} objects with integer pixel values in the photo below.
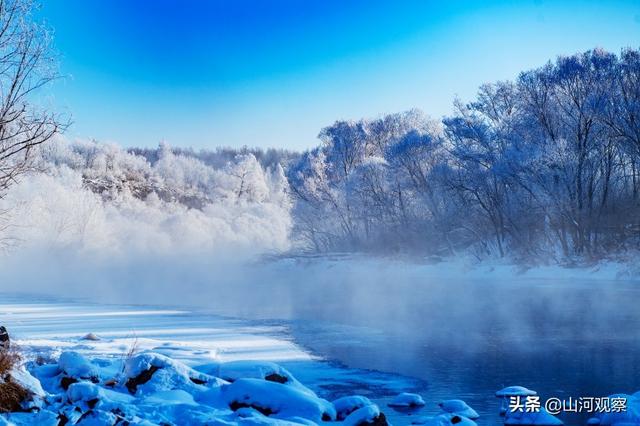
[{"x": 265, "y": 73}]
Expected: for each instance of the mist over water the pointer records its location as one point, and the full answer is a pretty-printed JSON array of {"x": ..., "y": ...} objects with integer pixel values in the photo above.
[
  {"x": 464, "y": 333},
  {"x": 469, "y": 338}
]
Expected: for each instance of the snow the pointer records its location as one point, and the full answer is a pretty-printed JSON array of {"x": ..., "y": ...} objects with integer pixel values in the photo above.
[
  {"x": 202, "y": 364},
  {"x": 458, "y": 406},
  {"x": 363, "y": 415},
  {"x": 282, "y": 401},
  {"x": 167, "y": 391},
  {"x": 541, "y": 417},
  {"x": 510, "y": 391},
  {"x": 74, "y": 364},
  {"x": 234, "y": 370},
  {"x": 100, "y": 198},
  {"x": 41, "y": 418},
  {"x": 47, "y": 329},
  {"x": 348, "y": 404},
  {"x": 406, "y": 399},
  {"x": 21, "y": 376},
  {"x": 154, "y": 365},
  {"x": 515, "y": 391},
  {"x": 168, "y": 374}
]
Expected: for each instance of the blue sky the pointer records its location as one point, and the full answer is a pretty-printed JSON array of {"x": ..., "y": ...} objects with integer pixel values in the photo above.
[{"x": 206, "y": 73}]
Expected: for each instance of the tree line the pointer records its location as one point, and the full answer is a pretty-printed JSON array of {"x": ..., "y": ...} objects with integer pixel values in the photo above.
[{"x": 546, "y": 165}]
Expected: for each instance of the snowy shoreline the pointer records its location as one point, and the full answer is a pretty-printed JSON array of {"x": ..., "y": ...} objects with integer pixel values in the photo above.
[{"x": 51, "y": 335}]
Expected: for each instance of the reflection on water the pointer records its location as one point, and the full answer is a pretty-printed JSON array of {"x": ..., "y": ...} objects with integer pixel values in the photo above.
[{"x": 468, "y": 339}]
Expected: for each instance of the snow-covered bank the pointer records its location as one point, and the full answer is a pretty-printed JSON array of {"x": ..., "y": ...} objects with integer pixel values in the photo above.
[
  {"x": 53, "y": 336},
  {"x": 470, "y": 268}
]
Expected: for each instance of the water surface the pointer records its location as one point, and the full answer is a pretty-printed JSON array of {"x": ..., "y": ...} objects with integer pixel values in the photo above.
[{"x": 468, "y": 338}]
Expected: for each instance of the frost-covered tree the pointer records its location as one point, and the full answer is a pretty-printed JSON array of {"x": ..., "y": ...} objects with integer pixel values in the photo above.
[
  {"x": 27, "y": 64},
  {"x": 346, "y": 193},
  {"x": 546, "y": 166},
  {"x": 94, "y": 196},
  {"x": 568, "y": 100}
]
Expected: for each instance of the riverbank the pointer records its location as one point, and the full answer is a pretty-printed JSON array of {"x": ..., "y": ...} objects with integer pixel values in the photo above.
[{"x": 103, "y": 337}]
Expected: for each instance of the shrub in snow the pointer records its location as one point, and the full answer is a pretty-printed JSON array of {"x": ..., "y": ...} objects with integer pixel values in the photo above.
[
  {"x": 458, "y": 406},
  {"x": 277, "y": 400},
  {"x": 407, "y": 400},
  {"x": 12, "y": 396},
  {"x": 19, "y": 390}
]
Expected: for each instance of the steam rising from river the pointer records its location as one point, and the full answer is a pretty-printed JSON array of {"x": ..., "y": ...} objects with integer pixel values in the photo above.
[{"x": 63, "y": 239}]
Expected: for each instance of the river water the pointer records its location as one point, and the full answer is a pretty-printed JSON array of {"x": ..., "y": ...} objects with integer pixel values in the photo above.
[{"x": 468, "y": 339}]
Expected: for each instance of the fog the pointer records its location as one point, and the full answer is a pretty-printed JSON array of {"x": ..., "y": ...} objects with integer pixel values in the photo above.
[
  {"x": 98, "y": 223},
  {"x": 468, "y": 307}
]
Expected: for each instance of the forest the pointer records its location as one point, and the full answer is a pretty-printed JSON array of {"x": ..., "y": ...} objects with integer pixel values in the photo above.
[{"x": 541, "y": 169}]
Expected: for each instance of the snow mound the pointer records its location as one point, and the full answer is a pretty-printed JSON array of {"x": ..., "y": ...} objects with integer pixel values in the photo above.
[
  {"x": 264, "y": 370},
  {"x": 150, "y": 372},
  {"x": 406, "y": 399},
  {"x": 458, "y": 406},
  {"x": 24, "y": 379},
  {"x": 510, "y": 391},
  {"x": 348, "y": 404},
  {"x": 76, "y": 365},
  {"x": 515, "y": 391},
  {"x": 367, "y": 415},
  {"x": 277, "y": 400}
]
